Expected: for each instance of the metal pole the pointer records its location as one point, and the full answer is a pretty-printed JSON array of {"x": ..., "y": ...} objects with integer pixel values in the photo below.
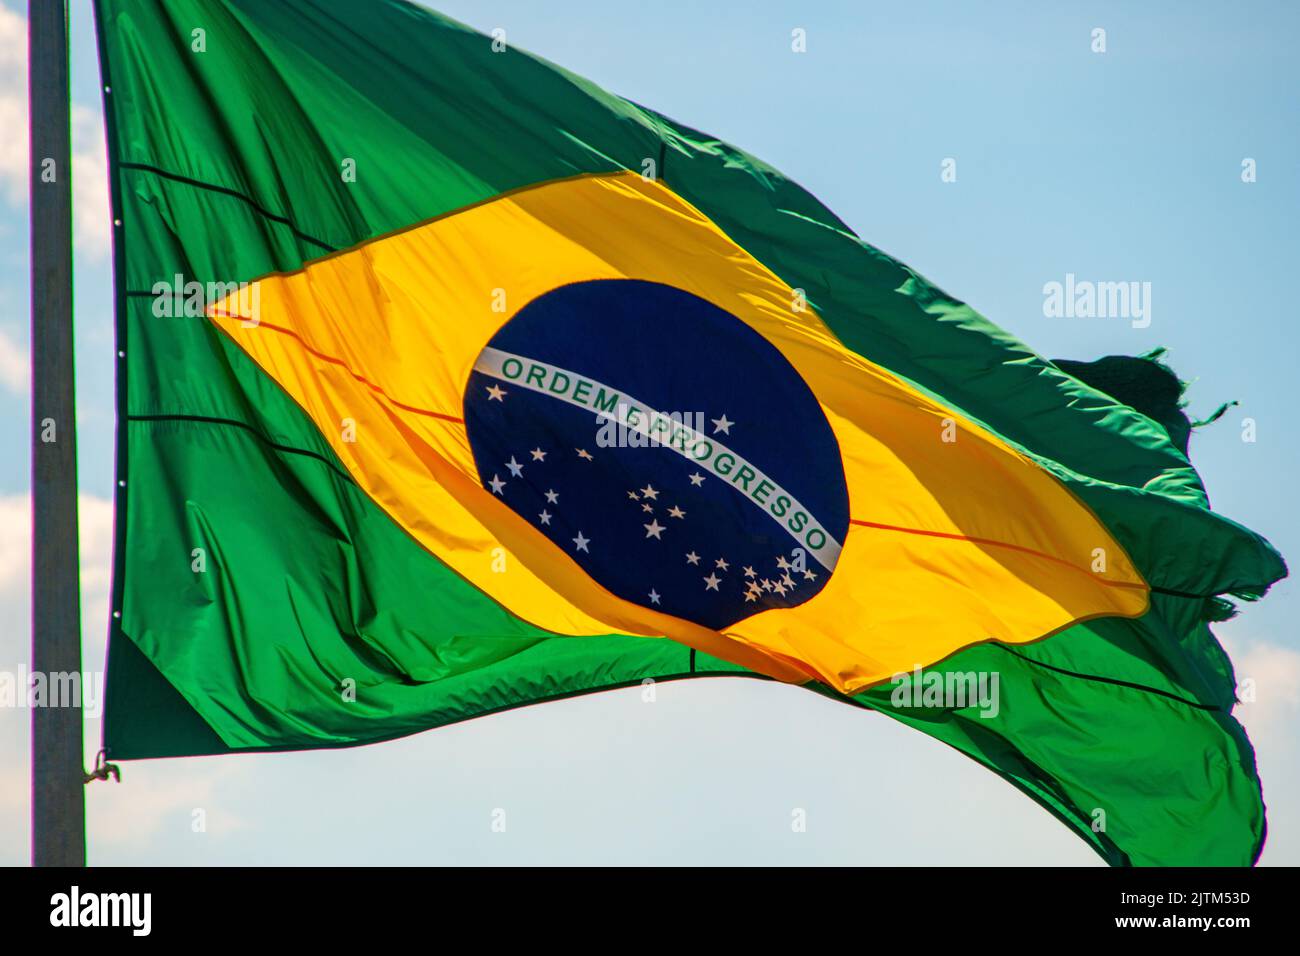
[{"x": 58, "y": 781}]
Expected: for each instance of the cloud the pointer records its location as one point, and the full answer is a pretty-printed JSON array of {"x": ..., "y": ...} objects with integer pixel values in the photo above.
[
  {"x": 92, "y": 231},
  {"x": 95, "y": 533},
  {"x": 13, "y": 106},
  {"x": 154, "y": 809},
  {"x": 95, "y": 526},
  {"x": 95, "y": 529},
  {"x": 1268, "y": 676},
  {"x": 1268, "y": 679},
  {"x": 13, "y": 364},
  {"x": 91, "y": 211},
  {"x": 15, "y": 555}
]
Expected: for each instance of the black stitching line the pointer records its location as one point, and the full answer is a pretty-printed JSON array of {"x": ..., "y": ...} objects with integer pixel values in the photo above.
[
  {"x": 227, "y": 191},
  {"x": 1213, "y": 708},
  {"x": 209, "y": 420}
]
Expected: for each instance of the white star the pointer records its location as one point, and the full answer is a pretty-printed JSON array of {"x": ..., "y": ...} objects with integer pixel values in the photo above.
[
  {"x": 634, "y": 496},
  {"x": 697, "y": 479},
  {"x": 649, "y": 492},
  {"x": 749, "y": 572},
  {"x": 580, "y": 543},
  {"x": 648, "y": 509},
  {"x": 583, "y": 453},
  {"x": 692, "y": 558},
  {"x": 750, "y": 596},
  {"x": 787, "y": 580},
  {"x": 782, "y": 563},
  {"x": 552, "y": 497},
  {"x": 721, "y": 424},
  {"x": 654, "y": 596},
  {"x": 767, "y": 585},
  {"x": 721, "y": 564},
  {"x": 497, "y": 484},
  {"x": 676, "y": 512},
  {"x": 654, "y": 529},
  {"x": 779, "y": 588},
  {"x": 711, "y": 582},
  {"x": 496, "y": 393},
  {"x": 544, "y": 517},
  {"x": 538, "y": 454},
  {"x": 516, "y": 469},
  {"x": 809, "y": 576}
]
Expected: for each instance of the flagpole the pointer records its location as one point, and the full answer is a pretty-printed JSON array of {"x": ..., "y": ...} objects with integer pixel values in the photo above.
[{"x": 58, "y": 781}]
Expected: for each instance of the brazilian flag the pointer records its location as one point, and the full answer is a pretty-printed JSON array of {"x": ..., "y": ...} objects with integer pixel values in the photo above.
[{"x": 449, "y": 383}]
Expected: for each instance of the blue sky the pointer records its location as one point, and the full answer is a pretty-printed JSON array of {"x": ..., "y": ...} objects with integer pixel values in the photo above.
[{"x": 1123, "y": 165}]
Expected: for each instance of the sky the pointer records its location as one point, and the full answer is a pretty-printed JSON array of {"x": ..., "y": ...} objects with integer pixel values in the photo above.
[{"x": 1122, "y": 165}]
